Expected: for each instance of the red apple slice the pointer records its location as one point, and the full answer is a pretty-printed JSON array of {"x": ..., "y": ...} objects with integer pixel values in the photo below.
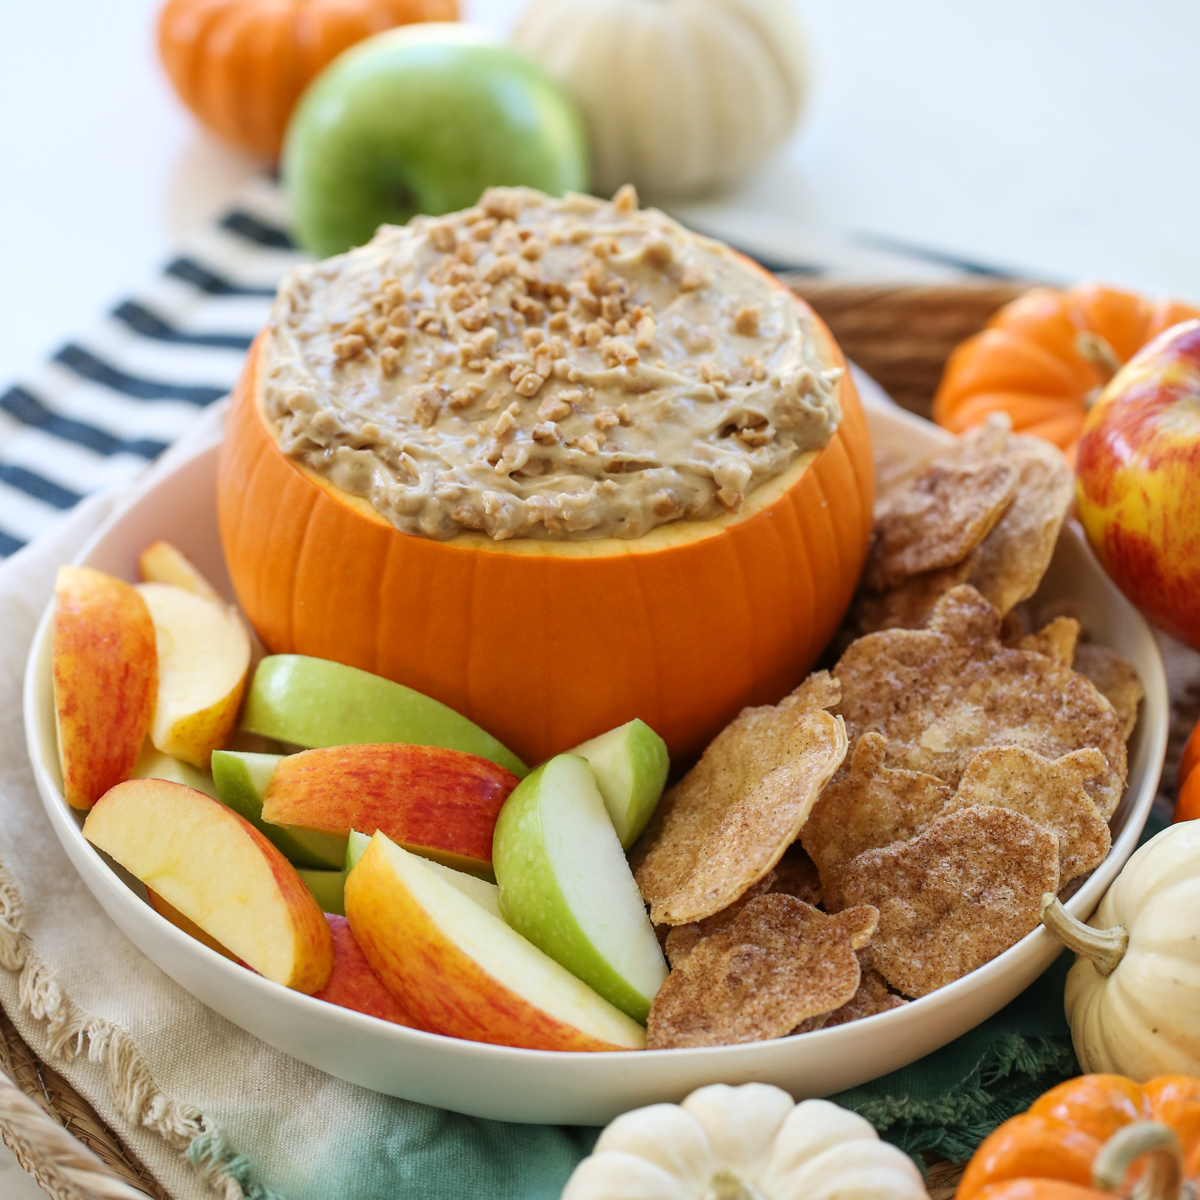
[
  {"x": 439, "y": 803},
  {"x": 354, "y": 984},
  {"x": 462, "y": 971},
  {"x": 105, "y": 667},
  {"x": 189, "y": 927},
  {"x": 161, "y": 562},
  {"x": 218, "y": 871}
]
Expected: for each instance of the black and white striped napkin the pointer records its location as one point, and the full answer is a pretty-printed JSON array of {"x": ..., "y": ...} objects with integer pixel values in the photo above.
[{"x": 108, "y": 403}]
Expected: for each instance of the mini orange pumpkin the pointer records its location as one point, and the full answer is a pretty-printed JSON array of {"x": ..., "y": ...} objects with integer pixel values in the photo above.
[
  {"x": 544, "y": 643},
  {"x": 240, "y": 65},
  {"x": 1080, "y": 1140},
  {"x": 1043, "y": 358}
]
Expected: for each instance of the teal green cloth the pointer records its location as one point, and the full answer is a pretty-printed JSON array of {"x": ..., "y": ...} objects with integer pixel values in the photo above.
[{"x": 944, "y": 1104}]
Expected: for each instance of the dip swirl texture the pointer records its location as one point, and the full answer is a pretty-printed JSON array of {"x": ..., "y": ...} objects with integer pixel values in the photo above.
[{"x": 544, "y": 368}]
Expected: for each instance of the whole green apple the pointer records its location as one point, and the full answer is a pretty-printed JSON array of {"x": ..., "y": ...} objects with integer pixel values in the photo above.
[{"x": 420, "y": 120}]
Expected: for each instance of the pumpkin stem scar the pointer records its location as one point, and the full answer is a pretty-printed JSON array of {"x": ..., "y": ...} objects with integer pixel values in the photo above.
[
  {"x": 728, "y": 1186},
  {"x": 1105, "y": 947},
  {"x": 1152, "y": 1140},
  {"x": 1099, "y": 353}
]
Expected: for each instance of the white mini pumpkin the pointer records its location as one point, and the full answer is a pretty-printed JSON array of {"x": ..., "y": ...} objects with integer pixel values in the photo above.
[
  {"x": 679, "y": 95},
  {"x": 1133, "y": 995},
  {"x": 744, "y": 1143}
]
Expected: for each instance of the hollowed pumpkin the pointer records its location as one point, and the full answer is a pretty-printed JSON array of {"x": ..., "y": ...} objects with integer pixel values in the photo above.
[{"x": 546, "y": 643}]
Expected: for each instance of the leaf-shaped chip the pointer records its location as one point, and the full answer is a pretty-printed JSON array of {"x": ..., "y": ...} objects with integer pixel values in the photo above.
[
  {"x": 1016, "y": 553},
  {"x": 780, "y": 963},
  {"x": 730, "y": 819},
  {"x": 955, "y": 896},
  {"x": 1115, "y": 678},
  {"x": 871, "y": 806},
  {"x": 939, "y": 516},
  {"x": 941, "y": 694},
  {"x": 1055, "y": 640},
  {"x": 1048, "y": 791}
]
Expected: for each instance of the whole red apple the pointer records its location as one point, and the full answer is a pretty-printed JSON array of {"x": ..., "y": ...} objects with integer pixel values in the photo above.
[{"x": 1138, "y": 480}]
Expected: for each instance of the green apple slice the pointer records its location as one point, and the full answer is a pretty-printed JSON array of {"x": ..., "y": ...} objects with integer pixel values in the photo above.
[
  {"x": 312, "y": 702},
  {"x": 630, "y": 764},
  {"x": 154, "y": 764},
  {"x": 485, "y": 894},
  {"x": 565, "y": 885},
  {"x": 241, "y": 778},
  {"x": 326, "y": 887}
]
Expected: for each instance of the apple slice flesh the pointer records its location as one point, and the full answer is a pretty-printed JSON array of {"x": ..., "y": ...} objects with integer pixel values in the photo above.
[
  {"x": 312, "y": 702},
  {"x": 154, "y": 764},
  {"x": 241, "y": 778},
  {"x": 462, "y": 971},
  {"x": 104, "y": 663},
  {"x": 439, "y": 803},
  {"x": 631, "y": 765},
  {"x": 203, "y": 659},
  {"x": 218, "y": 871},
  {"x": 482, "y": 891},
  {"x": 189, "y": 927},
  {"x": 566, "y": 886},
  {"x": 162, "y": 562}
]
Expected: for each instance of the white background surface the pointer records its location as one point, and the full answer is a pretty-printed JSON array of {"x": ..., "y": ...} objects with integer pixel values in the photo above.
[{"x": 1059, "y": 140}]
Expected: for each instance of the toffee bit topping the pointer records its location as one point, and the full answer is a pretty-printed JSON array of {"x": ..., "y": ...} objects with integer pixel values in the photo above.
[{"x": 746, "y": 320}]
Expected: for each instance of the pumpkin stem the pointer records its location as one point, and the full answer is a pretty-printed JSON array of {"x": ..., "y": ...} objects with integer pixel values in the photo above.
[
  {"x": 728, "y": 1186},
  {"x": 1152, "y": 1140},
  {"x": 1105, "y": 947},
  {"x": 1102, "y": 356}
]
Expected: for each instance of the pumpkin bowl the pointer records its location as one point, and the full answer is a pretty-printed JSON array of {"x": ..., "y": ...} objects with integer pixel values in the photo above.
[
  {"x": 548, "y": 643},
  {"x": 540, "y": 1086}
]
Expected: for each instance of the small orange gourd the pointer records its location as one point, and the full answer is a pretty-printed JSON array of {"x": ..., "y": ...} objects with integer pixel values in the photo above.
[
  {"x": 1044, "y": 358},
  {"x": 1084, "y": 1138},
  {"x": 240, "y": 65}
]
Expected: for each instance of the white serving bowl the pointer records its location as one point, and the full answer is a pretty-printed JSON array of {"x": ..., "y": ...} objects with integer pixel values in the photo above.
[{"x": 541, "y": 1086}]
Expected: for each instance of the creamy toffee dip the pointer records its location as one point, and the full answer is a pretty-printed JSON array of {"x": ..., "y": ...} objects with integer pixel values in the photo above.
[{"x": 544, "y": 368}]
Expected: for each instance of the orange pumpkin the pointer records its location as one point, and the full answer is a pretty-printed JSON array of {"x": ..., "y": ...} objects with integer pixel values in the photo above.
[
  {"x": 1083, "y": 1137},
  {"x": 240, "y": 65},
  {"x": 548, "y": 643},
  {"x": 1044, "y": 358}
]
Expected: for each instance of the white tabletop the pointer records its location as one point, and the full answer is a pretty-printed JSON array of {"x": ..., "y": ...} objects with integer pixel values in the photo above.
[{"x": 1058, "y": 140}]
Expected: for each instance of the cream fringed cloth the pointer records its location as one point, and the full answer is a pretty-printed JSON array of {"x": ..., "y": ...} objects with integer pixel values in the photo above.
[{"x": 210, "y": 1110}]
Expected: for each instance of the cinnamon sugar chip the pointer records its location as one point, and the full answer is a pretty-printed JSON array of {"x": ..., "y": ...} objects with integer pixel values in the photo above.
[
  {"x": 871, "y": 806},
  {"x": 955, "y": 896},
  {"x": 681, "y": 940},
  {"x": 940, "y": 695},
  {"x": 819, "y": 690},
  {"x": 795, "y": 874},
  {"x": 909, "y": 604},
  {"x": 729, "y": 820},
  {"x": 938, "y": 516},
  {"x": 1115, "y": 679},
  {"x": 779, "y": 964},
  {"x": 1055, "y": 640},
  {"x": 1048, "y": 791},
  {"x": 1015, "y": 555},
  {"x": 872, "y": 997}
]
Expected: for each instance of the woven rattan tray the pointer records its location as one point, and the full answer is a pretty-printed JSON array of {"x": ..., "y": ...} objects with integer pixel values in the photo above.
[{"x": 899, "y": 335}]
